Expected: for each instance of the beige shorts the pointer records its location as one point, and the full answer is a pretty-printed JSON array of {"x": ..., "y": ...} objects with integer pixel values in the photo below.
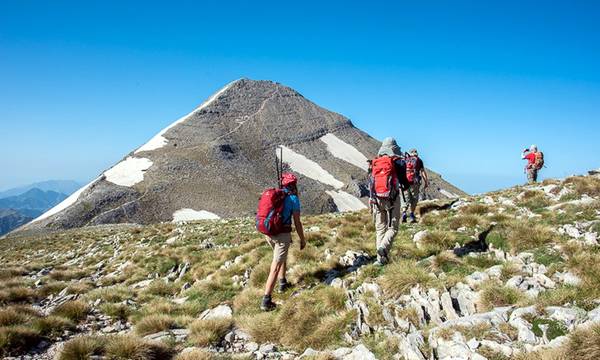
[{"x": 280, "y": 245}]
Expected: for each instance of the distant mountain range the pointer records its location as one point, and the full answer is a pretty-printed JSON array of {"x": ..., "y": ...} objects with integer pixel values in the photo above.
[
  {"x": 20, "y": 205},
  {"x": 60, "y": 186}
]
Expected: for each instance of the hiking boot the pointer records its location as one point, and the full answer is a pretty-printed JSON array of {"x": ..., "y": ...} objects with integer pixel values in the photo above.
[
  {"x": 267, "y": 304},
  {"x": 283, "y": 285},
  {"x": 403, "y": 217},
  {"x": 382, "y": 257},
  {"x": 413, "y": 219}
]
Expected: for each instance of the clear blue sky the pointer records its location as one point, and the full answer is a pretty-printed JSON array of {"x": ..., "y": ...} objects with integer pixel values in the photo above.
[{"x": 470, "y": 84}]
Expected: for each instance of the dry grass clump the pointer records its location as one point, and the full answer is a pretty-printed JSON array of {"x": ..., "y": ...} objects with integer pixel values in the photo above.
[
  {"x": 11, "y": 316},
  {"x": 195, "y": 354},
  {"x": 465, "y": 220},
  {"x": 128, "y": 347},
  {"x": 478, "y": 331},
  {"x": 17, "y": 339},
  {"x": 587, "y": 185},
  {"x": 117, "y": 311},
  {"x": 66, "y": 275},
  {"x": 475, "y": 209},
  {"x": 206, "y": 332},
  {"x": 75, "y": 310},
  {"x": 247, "y": 301},
  {"x": 316, "y": 318},
  {"x": 12, "y": 272},
  {"x": 82, "y": 347},
  {"x": 401, "y": 276},
  {"x": 534, "y": 200},
  {"x": 153, "y": 324},
  {"x": 52, "y": 325},
  {"x": 523, "y": 236},
  {"x": 161, "y": 288},
  {"x": 18, "y": 294},
  {"x": 111, "y": 294},
  {"x": 494, "y": 295}
]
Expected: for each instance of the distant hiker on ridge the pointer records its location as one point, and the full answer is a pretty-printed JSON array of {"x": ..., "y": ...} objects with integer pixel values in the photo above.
[
  {"x": 415, "y": 172},
  {"x": 388, "y": 179},
  {"x": 276, "y": 209},
  {"x": 535, "y": 162}
]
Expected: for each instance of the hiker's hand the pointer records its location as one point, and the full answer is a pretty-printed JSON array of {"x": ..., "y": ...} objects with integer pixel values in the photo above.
[
  {"x": 302, "y": 244},
  {"x": 426, "y": 184}
]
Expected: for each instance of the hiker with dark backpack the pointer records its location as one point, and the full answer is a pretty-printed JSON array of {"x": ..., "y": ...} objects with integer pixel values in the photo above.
[
  {"x": 415, "y": 173},
  {"x": 277, "y": 208},
  {"x": 535, "y": 162},
  {"x": 387, "y": 183}
]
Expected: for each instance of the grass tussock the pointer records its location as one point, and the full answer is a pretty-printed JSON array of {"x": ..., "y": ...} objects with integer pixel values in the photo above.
[
  {"x": 18, "y": 294},
  {"x": 207, "y": 332},
  {"x": 522, "y": 236},
  {"x": 17, "y": 339},
  {"x": 316, "y": 318},
  {"x": 133, "y": 348},
  {"x": 494, "y": 295},
  {"x": 401, "y": 276},
  {"x": 75, "y": 310},
  {"x": 153, "y": 324},
  {"x": 584, "y": 185}
]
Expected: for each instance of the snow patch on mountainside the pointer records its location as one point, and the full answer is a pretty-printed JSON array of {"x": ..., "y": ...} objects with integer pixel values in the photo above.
[
  {"x": 159, "y": 140},
  {"x": 344, "y": 151},
  {"x": 448, "y": 194},
  {"x": 345, "y": 201},
  {"x": 128, "y": 172},
  {"x": 191, "y": 214},
  {"x": 65, "y": 203},
  {"x": 301, "y": 164}
]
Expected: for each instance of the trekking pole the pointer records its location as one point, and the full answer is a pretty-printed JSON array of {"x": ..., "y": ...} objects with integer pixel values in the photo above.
[{"x": 277, "y": 169}]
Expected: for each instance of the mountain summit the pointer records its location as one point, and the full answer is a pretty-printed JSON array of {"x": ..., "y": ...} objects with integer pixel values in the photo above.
[{"x": 215, "y": 161}]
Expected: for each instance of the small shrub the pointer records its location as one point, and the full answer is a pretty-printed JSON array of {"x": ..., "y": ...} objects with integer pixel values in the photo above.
[{"x": 555, "y": 328}]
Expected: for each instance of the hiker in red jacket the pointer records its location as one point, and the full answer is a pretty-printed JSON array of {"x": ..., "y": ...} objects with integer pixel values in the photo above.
[
  {"x": 415, "y": 174},
  {"x": 535, "y": 161}
]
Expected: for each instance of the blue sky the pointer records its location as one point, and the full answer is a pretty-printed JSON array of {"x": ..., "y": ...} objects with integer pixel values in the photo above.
[{"x": 469, "y": 83}]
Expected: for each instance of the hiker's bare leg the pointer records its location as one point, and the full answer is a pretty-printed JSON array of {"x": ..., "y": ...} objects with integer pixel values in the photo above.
[
  {"x": 282, "y": 270},
  {"x": 275, "y": 269}
]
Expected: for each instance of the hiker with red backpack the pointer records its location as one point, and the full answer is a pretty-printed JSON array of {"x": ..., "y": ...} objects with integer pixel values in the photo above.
[
  {"x": 535, "y": 162},
  {"x": 387, "y": 183},
  {"x": 415, "y": 173},
  {"x": 277, "y": 208}
]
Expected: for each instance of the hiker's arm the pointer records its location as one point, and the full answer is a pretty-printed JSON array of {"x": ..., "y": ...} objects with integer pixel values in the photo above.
[
  {"x": 299, "y": 229},
  {"x": 425, "y": 177}
]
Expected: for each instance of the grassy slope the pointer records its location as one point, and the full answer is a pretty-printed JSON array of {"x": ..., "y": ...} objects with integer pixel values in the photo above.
[{"x": 100, "y": 266}]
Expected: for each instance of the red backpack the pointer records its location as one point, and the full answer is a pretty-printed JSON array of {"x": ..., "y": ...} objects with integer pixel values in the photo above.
[
  {"x": 411, "y": 169},
  {"x": 384, "y": 180},
  {"x": 269, "y": 215}
]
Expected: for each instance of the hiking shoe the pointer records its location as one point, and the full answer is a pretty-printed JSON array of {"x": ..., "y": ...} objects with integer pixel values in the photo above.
[
  {"x": 404, "y": 217},
  {"x": 413, "y": 219},
  {"x": 382, "y": 257},
  {"x": 283, "y": 285},
  {"x": 267, "y": 304}
]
